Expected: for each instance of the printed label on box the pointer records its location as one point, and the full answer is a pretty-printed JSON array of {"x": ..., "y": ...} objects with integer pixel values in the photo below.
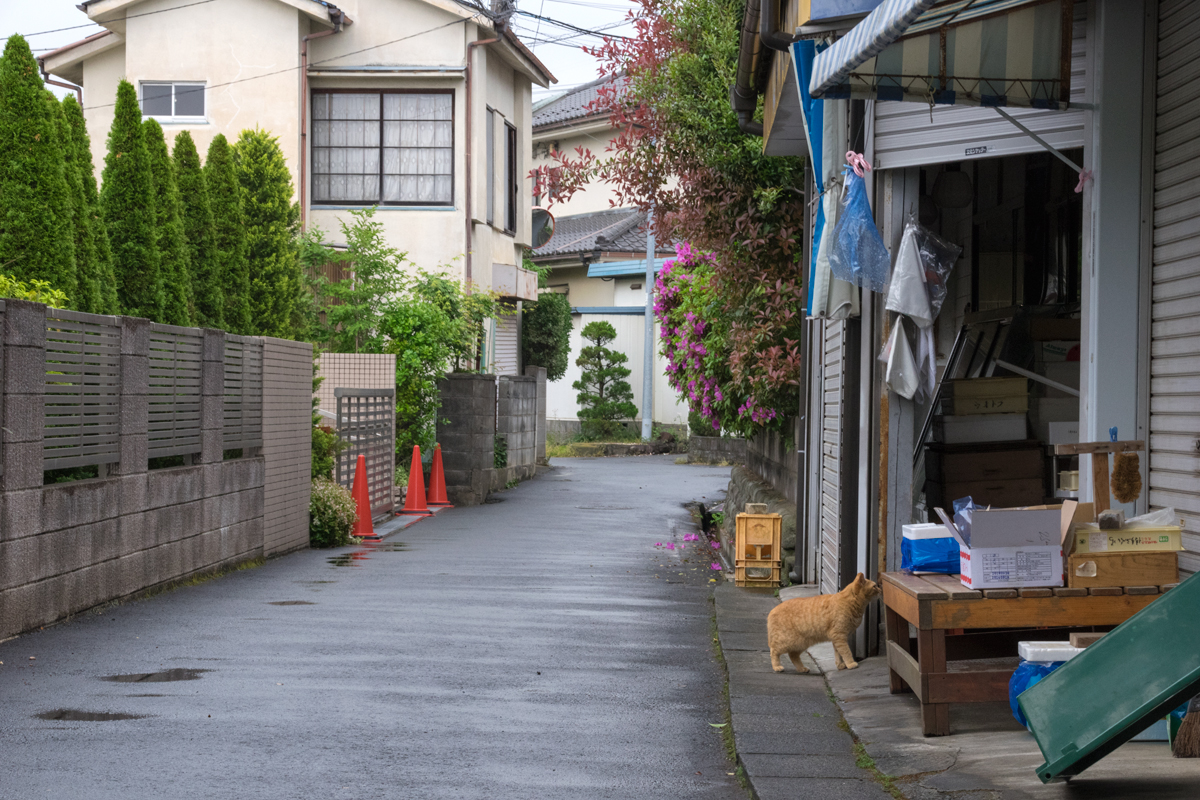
[
  {"x": 1098, "y": 542},
  {"x": 1020, "y": 566}
]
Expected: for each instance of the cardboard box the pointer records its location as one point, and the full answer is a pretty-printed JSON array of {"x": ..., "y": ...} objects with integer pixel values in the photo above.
[
  {"x": 991, "y": 396},
  {"x": 1087, "y": 570},
  {"x": 1089, "y": 538},
  {"x": 1010, "y": 548},
  {"x": 1062, "y": 432},
  {"x": 976, "y": 428}
]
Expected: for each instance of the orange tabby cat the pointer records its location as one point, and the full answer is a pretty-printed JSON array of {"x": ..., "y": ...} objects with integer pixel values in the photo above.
[{"x": 795, "y": 625}]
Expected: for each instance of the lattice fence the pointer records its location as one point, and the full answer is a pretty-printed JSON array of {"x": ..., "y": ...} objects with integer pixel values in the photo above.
[
  {"x": 243, "y": 393},
  {"x": 175, "y": 375},
  {"x": 83, "y": 390},
  {"x": 366, "y": 422}
]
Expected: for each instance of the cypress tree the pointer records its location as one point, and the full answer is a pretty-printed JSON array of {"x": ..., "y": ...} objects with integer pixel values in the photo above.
[
  {"x": 208, "y": 299},
  {"x": 87, "y": 292},
  {"x": 229, "y": 234},
  {"x": 100, "y": 270},
  {"x": 172, "y": 247},
  {"x": 127, "y": 198},
  {"x": 37, "y": 238},
  {"x": 271, "y": 225}
]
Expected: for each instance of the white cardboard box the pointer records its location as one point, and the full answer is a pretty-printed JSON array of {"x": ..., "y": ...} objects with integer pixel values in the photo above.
[
  {"x": 1062, "y": 432},
  {"x": 1011, "y": 548},
  {"x": 981, "y": 428}
]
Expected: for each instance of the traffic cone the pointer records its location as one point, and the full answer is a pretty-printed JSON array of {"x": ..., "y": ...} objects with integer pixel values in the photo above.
[
  {"x": 414, "y": 503},
  {"x": 437, "y": 481},
  {"x": 363, "y": 529}
]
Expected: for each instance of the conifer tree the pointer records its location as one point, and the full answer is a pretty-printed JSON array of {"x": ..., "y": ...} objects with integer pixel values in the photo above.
[
  {"x": 37, "y": 238},
  {"x": 271, "y": 224},
  {"x": 87, "y": 292},
  {"x": 229, "y": 229},
  {"x": 127, "y": 198},
  {"x": 172, "y": 247},
  {"x": 605, "y": 397},
  {"x": 100, "y": 270},
  {"x": 208, "y": 299}
]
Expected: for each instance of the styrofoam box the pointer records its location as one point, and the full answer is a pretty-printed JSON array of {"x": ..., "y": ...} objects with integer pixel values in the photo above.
[
  {"x": 1047, "y": 651},
  {"x": 982, "y": 428},
  {"x": 1062, "y": 432}
]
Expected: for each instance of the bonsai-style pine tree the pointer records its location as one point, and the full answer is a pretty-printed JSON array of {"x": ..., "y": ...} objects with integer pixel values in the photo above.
[
  {"x": 271, "y": 224},
  {"x": 229, "y": 234},
  {"x": 93, "y": 258},
  {"x": 127, "y": 198},
  {"x": 172, "y": 246},
  {"x": 207, "y": 297},
  {"x": 37, "y": 237},
  {"x": 604, "y": 396}
]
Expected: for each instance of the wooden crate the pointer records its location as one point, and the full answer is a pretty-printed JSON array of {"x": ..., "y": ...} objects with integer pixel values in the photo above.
[
  {"x": 758, "y": 537},
  {"x": 1153, "y": 568},
  {"x": 753, "y": 572}
]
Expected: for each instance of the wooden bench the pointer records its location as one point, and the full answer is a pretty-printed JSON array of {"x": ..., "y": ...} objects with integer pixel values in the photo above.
[{"x": 982, "y": 625}]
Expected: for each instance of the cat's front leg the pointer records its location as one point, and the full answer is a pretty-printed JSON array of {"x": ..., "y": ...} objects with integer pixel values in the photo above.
[{"x": 845, "y": 659}]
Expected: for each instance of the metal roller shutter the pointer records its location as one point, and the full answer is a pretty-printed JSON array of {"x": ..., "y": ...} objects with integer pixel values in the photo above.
[
  {"x": 839, "y": 449},
  {"x": 508, "y": 330},
  {"x": 1175, "y": 297},
  {"x": 906, "y": 136}
]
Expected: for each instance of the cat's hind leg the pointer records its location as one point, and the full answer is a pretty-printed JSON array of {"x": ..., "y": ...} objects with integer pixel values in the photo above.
[
  {"x": 775, "y": 663},
  {"x": 797, "y": 663},
  {"x": 845, "y": 658}
]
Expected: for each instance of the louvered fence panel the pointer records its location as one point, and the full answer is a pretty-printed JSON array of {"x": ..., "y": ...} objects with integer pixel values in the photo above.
[
  {"x": 366, "y": 423},
  {"x": 175, "y": 375},
  {"x": 83, "y": 390},
  {"x": 1, "y": 382},
  {"x": 243, "y": 393}
]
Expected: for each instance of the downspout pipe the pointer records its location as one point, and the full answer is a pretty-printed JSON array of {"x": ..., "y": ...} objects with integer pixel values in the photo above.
[
  {"x": 338, "y": 18},
  {"x": 469, "y": 132},
  {"x": 767, "y": 20},
  {"x": 78, "y": 90},
  {"x": 743, "y": 97}
]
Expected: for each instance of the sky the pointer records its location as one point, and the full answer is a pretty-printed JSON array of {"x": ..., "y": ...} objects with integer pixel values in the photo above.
[{"x": 558, "y": 48}]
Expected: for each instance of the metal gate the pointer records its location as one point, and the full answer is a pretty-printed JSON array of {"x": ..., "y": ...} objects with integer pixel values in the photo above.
[
  {"x": 1175, "y": 296},
  {"x": 366, "y": 423}
]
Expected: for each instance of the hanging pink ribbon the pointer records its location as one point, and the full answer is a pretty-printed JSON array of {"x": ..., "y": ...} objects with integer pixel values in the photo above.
[
  {"x": 1085, "y": 175},
  {"x": 857, "y": 162}
]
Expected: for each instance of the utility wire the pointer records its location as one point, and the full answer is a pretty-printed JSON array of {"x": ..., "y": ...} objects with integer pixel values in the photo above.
[
  {"x": 131, "y": 16},
  {"x": 571, "y": 27}
]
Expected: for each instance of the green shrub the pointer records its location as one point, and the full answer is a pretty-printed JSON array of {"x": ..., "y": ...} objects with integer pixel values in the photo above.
[
  {"x": 229, "y": 234},
  {"x": 87, "y": 286},
  {"x": 207, "y": 297},
  {"x": 331, "y": 515},
  {"x": 499, "y": 452},
  {"x": 325, "y": 449},
  {"x": 35, "y": 290},
  {"x": 605, "y": 397},
  {"x": 546, "y": 334},
  {"x": 173, "y": 252}
]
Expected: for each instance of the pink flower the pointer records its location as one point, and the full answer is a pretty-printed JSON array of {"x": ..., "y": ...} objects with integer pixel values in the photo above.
[
  {"x": 670, "y": 545},
  {"x": 714, "y": 565},
  {"x": 658, "y": 544},
  {"x": 715, "y": 545}
]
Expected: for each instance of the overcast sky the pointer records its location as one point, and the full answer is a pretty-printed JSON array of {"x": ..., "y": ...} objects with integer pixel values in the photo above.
[{"x": 558, "y": 48}]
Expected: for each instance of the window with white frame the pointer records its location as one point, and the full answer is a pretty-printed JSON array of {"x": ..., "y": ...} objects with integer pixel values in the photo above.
[
  {"x": 180, "y": 101},
  {"x": 382, "y": 148}
]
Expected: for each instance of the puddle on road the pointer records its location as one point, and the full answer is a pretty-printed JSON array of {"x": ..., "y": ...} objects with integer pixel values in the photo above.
[
  {"x": 291, "y": 603},
  {"x": 354, "y": 559},
  {"x": 75, "y": 715},
  {"x": 163, "y": 676}
]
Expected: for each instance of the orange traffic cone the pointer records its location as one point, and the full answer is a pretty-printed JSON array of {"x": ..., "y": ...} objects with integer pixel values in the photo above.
[
  {"x": 437, "y": 481},
  {"x": 363, "y": 529},
  {"x": 414, "y": 503}
]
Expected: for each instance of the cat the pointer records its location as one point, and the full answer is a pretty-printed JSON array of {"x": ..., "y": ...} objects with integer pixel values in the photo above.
[{"x": 795, "y": 625}]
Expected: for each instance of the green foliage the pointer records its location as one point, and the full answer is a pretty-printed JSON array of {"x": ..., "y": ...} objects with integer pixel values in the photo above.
[
  {"x": 196, "y": 214},
  {"x": 173, "y": 254},
  {"x": 37, "y": 237},
  {"x": 36, "y": 290},
  {"x": 468, "y": 311},
  {"x": 127, "y": 199},
  {"x": 546, "y": 334},
  {"x": 499, "y": 452},
  {"x": 605, "y": 397},
  {"x": 325, "y": 449},
  {"x": 331, "y": 515},
  {"x": 272, "y": 220},
  {"x": 97, "y": 286},
  {"x": 699, "y": 426},
  {"x": 359, "y": 303},
  {"x": 229, "y": 235},
  {"x": 312, "y": 255},
  {"x": 87, "y": 287}
]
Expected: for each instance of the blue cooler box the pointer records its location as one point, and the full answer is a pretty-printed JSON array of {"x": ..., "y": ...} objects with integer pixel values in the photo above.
[{"x": 928, "y": 547}]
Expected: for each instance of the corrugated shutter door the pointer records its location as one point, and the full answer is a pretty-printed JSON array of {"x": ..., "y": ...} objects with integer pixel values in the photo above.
[
  {"x": 507, "y": 332},
  {"x": 832, "y": 412},
  {"x": 1175, "y": 298},
  {"x": 905, "y": 136}
]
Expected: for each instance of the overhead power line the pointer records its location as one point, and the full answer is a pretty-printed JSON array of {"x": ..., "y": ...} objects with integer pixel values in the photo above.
[
  {"x": 571, "y": 27},
  {"x": 131, "y": 16}
]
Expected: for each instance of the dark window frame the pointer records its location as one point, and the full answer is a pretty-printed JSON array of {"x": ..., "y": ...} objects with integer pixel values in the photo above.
[
  {"x": 365, "y": 203},
  {"x": 512, "y": 184},
  {"x": 491, "y": 165}
]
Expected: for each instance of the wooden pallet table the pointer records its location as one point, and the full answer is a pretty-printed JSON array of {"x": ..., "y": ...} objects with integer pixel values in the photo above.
[{"x": 954, "y": 623}]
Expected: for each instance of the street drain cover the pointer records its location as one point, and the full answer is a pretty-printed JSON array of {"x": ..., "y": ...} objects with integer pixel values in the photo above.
[
  {"x": 291, "y": 603},
  {"x": 164, "y": 676},
  {"x": 75, "y": 715}
]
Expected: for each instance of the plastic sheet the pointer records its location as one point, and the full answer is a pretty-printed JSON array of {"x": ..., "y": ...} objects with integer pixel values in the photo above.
[
  {"x": 1027, "y": 674},
  {"x": 1160, "y": 518},
  {"x": 964, "y": 508},
  {"x": 858, "y": 255},
  {"x": 923, "y": 264},
  {"x": 901, "y": 374}
]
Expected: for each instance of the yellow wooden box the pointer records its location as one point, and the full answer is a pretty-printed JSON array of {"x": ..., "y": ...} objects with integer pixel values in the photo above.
[
  {"x": 1088, "y": 570},
  {"x": 758, "y": 537},
  {"x": 1091, "y": 539},
  {"x": 752, "y": 572}
]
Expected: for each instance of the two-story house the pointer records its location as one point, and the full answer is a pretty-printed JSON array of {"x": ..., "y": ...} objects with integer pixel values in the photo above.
[
  {"x": 421, "y": 108},
  {"x": 598, "y": 258}
]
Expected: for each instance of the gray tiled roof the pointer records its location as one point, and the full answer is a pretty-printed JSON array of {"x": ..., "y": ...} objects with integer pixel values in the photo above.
[
  {"x": 570, "y": 106},
  {"x": 623, "y": 229}
]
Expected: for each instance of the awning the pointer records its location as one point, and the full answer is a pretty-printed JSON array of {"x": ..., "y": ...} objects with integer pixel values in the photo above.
[{"x": 946, "y": 52}]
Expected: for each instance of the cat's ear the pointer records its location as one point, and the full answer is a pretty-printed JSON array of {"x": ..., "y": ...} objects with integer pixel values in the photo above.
[{"x": 859, "y": 578}]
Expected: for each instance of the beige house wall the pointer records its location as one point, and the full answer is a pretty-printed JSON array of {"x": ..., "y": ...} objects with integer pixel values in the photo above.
[{"x": 593, "y": 196}]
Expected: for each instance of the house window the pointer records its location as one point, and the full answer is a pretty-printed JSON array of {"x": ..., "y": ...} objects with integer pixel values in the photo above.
[
  {"x": 491, "y": 166},
  {"x": 173, "y": 102},
  {"x": 512, "y": 186},
  {"x": 383, "y": 148}
]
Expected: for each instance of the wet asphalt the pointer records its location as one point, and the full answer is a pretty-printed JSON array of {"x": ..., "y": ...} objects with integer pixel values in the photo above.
[{"x": 537, "y": 647}]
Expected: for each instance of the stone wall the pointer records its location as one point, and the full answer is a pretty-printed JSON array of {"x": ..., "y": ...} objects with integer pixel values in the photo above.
[
  {"x": 539, "y": 374},
  {"x": 746, "y": 487},
  {"x": 67, "y": 547},
  {"x": 716, "y": 450},
  {"x": 773, "y": 458}
]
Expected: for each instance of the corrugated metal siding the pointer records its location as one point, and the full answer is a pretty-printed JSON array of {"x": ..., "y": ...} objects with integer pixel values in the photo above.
[
  {"x": 833, "y": 408},
  {"x": 1175, "y": 298},
  {"x": 907, "y": 136},
  {"x": 507, "y": 344}
]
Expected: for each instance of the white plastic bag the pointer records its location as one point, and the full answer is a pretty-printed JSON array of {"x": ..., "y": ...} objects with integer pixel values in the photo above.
[
  {"x": 1162, "y": 518},
  {"x": 906, "y": 292},
  {"x": 901, "y": 374}
]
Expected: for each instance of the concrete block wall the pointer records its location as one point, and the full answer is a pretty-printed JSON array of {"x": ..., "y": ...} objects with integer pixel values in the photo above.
[
  {"x": 774, "y": 458},
  {"x": 466, "y": 429},
  {"x": 65, "y": 548},
  {"x": 716, "y": 450},
  {"x": 287, "y": 444},
  {"x": 539, "y": 374},
  {"x": 517, "y": 420}
]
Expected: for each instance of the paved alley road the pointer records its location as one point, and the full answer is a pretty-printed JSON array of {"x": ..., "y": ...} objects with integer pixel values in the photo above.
[{"x": 532, "y": 648}]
